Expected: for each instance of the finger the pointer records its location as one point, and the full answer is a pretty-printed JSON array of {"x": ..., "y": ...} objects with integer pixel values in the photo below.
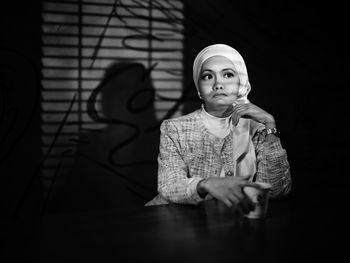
[
  {"x": 233, "y": 198},
  {"x": 236, "y": 181},
  {"x": 237, "y": 114},
  {"x": 229, "y": 110},
  {"x": 245, "y": 179},
  {"x": 241, "y": 100},
  {"x": 247, "y": 183},
  {"x": 226, "y": 201},
  {"x": 243, "y": 201},
  {"x": 238, "y": 107},
  {"x": 235, "y": 121},
  {"x": 235, "y": 118},
  {"x": 239, "y": 194},
  {"x": 241, "y": 111}
]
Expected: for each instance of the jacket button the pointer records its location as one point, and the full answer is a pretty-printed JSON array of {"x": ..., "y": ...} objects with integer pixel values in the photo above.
[{"x": 229, "y": 173}]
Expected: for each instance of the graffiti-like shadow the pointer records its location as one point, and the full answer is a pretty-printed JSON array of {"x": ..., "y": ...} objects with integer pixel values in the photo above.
[{"x": 115, "y": 165}]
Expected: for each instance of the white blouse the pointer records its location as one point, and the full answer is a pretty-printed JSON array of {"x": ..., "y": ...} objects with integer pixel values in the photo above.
[{"x": 220, "y": 127}]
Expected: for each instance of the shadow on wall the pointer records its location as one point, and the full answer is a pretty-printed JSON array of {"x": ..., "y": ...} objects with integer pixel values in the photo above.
[
  {"x": 19, "y": 131},
  {"x": 115, "y": 167}
]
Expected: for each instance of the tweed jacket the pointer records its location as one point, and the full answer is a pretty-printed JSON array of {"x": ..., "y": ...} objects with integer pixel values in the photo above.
[{"x": 188, "y": 153}]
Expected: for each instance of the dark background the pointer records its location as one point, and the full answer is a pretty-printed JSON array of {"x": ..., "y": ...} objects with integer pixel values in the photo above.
[{"x": 296, "y": 58}]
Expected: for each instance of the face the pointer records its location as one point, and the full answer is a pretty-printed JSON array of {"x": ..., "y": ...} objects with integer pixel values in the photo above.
[{"x": 218, "y": 83}]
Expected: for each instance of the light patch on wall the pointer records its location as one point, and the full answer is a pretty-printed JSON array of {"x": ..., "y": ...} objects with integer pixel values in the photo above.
[{"x": 81, "y": 39}]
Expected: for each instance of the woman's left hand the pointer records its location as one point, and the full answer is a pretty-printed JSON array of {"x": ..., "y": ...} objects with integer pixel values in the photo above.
[{"x": 251, "y": 111}]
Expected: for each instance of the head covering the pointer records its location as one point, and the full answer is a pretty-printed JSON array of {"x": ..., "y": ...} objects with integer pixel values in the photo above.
[
  {"x": 242, "y": 145},
  {"x": 231, "y": 54}
]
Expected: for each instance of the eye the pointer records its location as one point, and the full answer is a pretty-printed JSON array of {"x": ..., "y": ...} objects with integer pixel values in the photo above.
[
  {"x": 229, "y": 75},
  {"x": 206, "y": 77}
]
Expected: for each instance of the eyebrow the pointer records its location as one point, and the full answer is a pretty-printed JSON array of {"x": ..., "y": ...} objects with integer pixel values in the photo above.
[{"x": 224, "y": 69}]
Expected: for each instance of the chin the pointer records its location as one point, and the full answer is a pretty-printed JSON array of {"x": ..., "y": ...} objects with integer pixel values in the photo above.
[
  {"x": 224, "y": 103},
  {"x": 221, "y": 105}
]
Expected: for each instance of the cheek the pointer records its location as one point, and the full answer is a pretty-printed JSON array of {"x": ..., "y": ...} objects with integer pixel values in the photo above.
[
  {"x": 234, "y": 87},
  {"x": 235, "y": 81},
  {"x": 204, "y": 88}
]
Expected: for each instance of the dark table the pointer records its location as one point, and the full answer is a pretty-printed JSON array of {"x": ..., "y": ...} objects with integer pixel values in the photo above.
[{"x": 294, "y": 230}]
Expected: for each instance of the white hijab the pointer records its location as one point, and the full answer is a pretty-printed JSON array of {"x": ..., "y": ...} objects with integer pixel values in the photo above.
[{"x": 243, "y": 148}]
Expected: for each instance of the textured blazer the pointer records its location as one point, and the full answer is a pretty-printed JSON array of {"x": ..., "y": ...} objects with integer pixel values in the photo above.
[{"x": 188, "y": 153}]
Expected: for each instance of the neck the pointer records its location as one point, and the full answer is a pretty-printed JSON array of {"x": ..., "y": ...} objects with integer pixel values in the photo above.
[{"x": 219, "y": 111}]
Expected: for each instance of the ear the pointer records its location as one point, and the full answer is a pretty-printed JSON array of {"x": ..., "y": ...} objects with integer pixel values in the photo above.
[{"x": 199, "y": 95}]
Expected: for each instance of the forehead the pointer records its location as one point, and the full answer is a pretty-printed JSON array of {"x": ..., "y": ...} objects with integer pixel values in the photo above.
[{"x": 217, "y": 62}]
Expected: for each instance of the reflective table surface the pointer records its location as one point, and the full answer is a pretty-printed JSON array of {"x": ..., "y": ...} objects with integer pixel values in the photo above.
[{"x": 295, "y": 229}]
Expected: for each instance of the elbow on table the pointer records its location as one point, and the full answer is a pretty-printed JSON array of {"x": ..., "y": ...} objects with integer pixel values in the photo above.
[
  {"x": 281, "y": 192},
  {"x": 167, "y": 193},
  {"x": 174, "y": 196}
]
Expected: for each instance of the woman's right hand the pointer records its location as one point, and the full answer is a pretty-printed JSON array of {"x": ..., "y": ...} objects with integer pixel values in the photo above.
[{"x": 227, "y": 190}]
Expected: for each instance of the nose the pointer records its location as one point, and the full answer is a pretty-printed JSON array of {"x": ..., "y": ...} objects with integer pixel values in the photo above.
[{"x": 218, "y": 86}]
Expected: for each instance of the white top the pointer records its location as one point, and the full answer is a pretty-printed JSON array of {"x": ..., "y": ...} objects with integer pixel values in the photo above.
[{"x": 220, "y": 127}]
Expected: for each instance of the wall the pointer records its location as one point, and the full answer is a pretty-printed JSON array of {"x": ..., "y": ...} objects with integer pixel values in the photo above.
[
  {"x": 295, "y": 54},
  {"x": 19, "y": 106}
]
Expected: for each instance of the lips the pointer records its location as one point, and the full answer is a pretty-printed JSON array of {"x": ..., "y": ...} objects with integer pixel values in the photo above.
[{"x": 219, "y": 95}]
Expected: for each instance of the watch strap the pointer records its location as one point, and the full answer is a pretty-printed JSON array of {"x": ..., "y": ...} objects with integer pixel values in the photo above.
[{"x": 274, "y": 131}]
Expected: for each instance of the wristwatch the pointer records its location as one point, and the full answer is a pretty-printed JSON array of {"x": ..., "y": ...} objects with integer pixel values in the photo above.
[{"x": 274, "y": 131}]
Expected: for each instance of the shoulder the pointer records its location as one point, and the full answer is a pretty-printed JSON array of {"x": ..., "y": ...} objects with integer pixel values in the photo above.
[
  {"x": 187, "y": 117},
  {"x": 182, "y": 122}
]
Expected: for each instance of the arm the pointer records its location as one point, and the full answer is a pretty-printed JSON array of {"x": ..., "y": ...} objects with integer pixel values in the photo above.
[{"x": 272, "y": 163}]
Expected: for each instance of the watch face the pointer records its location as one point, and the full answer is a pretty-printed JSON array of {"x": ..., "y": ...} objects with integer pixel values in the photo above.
[{"x": 274, "y": 131}]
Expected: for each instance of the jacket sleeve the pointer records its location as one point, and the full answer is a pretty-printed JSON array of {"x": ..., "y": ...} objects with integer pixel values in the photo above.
[
  {"x": 272, "y": 165},
  {"x": 174, "y": 185}
]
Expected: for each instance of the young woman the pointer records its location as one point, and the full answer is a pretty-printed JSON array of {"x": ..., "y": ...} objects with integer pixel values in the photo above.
[{"x": 215, "y": 151}]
